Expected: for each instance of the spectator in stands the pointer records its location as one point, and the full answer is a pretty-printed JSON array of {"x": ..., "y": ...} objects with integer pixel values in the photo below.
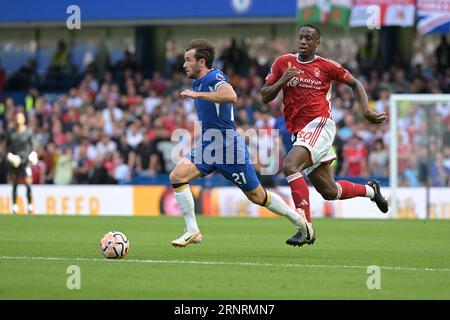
[
  {"x": 378, "y": 160},
  {"x": 162, "y": 149},
  {"x": 63, "y": 167},
  {"x": 382, "y": 104},
  {"x": 99, "y": 173},
  {"x": 355, "y": 158},
  {"x": 442, "y": 54},
  {"x": 104, "y": 146},
  {"x": 82, "y": 165},
  {"x": 146, "y": 157},
  {"x": 401, "y": 84},
  {"x": 126, "y": 152},
  {"x": 122, "y": 173},
  {"x": 111, "y": 116},
  {"x": 410, "y": 174},
  {"x": 127, "y": 62},
  {"x": 235, "y": 59},
  {"x": 102, "y": 60},
  {"x": 367, "y": 55},
  {"x": 31, "y": 100},
  {"x": 102, "y": 97},
  {"x": 23, "y": 78},
  {"x": 134, "y": 134},
  {"x": 152, "y": 100},
  {"x": 159, "y": 84},
  {"x": 60, "y": 61}
]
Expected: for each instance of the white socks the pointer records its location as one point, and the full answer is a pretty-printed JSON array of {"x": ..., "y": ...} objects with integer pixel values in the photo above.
[
  {"x": 370, "y": 193},
  {"x": 186, "y": 202},
  {"x": 277, "y": 205}
]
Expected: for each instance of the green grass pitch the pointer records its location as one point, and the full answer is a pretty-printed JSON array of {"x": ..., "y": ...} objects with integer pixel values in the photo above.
[{"x": 240, "y": 258}]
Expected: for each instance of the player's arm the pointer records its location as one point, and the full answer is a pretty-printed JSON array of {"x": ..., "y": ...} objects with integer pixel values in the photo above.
[
  {"x": 361, "y": 97},
  {"x": 274, "y": 83},
  {"x": 224, "y": 94}
]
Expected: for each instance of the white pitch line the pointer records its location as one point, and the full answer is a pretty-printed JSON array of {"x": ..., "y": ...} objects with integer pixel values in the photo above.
[{"x": 225, "y": 263}]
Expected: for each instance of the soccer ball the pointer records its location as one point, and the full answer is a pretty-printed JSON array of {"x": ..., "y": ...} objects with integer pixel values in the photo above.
[{"x": 114, "y": 245}]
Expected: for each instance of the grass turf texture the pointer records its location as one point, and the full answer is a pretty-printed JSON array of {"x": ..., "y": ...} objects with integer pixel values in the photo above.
[{"x": 244, "y": 258}]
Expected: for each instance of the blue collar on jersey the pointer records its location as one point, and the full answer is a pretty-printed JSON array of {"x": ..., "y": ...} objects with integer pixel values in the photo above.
[{"x": 201, "y": 79}]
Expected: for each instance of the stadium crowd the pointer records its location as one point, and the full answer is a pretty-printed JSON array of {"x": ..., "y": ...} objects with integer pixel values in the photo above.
[{"x": 115, "y": 124}]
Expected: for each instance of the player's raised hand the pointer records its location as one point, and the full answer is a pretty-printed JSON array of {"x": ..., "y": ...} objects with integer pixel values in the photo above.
[
  {"x": 375, "y": 117},
  {"x": 188, "y": 94},
  {"x": 290, "y": 72}
]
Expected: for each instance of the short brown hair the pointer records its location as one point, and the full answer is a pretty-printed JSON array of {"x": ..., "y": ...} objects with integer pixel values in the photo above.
[{"x": 203, "y": 50}]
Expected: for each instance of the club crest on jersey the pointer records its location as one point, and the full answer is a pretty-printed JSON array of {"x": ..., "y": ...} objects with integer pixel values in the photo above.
[
  {"x": 293, "y": 82},
  {"x": 317, "y": 72}
]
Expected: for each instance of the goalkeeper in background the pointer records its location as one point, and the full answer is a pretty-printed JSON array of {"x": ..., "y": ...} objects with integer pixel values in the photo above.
[{"x": 21, "y": 156}]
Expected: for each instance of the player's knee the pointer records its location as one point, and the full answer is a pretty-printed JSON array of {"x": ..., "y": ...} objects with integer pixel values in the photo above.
[
  {"x": 329, "y": 193},
  {"x": 257, "y": 197},
  {"x": 289, "y": 167},
  {"x": 176, "y": 177}
]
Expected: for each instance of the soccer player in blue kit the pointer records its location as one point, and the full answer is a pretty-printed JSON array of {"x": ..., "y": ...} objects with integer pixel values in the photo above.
[{"x": 225, "y": 153}]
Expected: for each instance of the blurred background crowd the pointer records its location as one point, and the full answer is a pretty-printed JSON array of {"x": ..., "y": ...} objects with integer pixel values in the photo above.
[{"x": 111, "y": 122}]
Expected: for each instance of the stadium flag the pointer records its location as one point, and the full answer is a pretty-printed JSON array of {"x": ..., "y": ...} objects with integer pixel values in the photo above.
[
  {"x": 335, "y": 12},
  {"x": 392, "y": 12},
  {"x": 433, "y": 16},
  {"x": 339, "y": 12},
  {"x": 309, "y": 11}
]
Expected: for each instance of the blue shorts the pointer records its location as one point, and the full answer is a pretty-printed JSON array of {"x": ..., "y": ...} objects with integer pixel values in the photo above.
[{"x": 231, "y": 159}]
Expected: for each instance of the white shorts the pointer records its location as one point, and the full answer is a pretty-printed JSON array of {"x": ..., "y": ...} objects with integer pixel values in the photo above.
[{"x": 317, "y": 136}]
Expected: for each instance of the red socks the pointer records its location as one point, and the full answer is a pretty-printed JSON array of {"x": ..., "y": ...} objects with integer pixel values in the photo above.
[
  {"x": 300, "y": 193},
  {"x": 348, "y": 190}
]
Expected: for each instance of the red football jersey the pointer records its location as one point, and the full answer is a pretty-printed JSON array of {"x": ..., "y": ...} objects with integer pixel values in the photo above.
[{"x": 307, "y": 95}]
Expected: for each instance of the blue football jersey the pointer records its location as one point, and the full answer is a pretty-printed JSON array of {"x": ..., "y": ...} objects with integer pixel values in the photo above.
[
  {"x": 221, "y": 149},
  {"x": 213, "y": 115}
]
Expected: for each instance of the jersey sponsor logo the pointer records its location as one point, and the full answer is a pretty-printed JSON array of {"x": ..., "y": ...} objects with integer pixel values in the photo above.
[
  {"x": 296, "y": 81},
  {"x": 220, "y": 77}
]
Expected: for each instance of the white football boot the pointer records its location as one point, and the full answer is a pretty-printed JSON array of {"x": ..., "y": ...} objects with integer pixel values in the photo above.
[{"x": 188, "y": 238}]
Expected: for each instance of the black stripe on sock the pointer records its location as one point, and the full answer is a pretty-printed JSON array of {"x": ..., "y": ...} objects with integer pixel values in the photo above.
[
  {"x": 177, "y": 185},
  {"x": 265, "y": 198}
]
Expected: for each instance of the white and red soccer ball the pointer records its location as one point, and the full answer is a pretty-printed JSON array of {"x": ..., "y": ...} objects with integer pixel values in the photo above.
[{"x": 114, "y": 245}]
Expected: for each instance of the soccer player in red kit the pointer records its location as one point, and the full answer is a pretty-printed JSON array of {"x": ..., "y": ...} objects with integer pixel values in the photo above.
[{"x": 305, "y": 79}]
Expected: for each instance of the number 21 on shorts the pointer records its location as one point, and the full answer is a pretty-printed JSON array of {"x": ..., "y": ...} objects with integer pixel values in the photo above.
[{"x": 239, "y": 178}]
